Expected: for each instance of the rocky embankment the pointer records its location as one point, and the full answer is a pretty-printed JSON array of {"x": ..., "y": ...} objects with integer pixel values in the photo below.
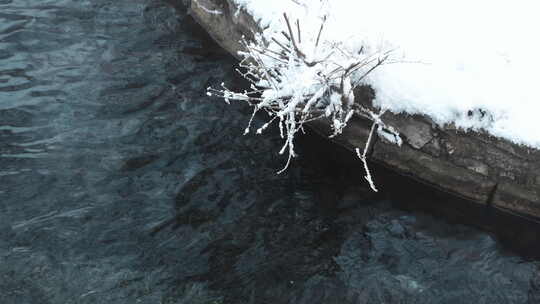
[{"x": 472, "y": 165}]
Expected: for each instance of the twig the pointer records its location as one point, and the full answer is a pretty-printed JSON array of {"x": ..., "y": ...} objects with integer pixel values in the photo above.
[
  {"x": 300, "y": 54},
  {"x": 280, "y": 88},
  {"x": 298, "y": 28},
  {"x": 363, "y": 158},
  {"x": 320, "y": 32}
]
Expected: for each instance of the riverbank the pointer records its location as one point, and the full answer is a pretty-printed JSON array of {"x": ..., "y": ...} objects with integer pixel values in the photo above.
[{"x": 473, "y": 165}]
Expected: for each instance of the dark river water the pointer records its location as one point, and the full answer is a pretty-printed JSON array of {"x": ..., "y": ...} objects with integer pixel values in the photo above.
[{"x": 121, "y": 182}]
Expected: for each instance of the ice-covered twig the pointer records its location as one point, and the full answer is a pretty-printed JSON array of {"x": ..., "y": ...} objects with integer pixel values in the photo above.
[
  {"x": 363, "y": 157},
  {"x": 297, "y": 78}
]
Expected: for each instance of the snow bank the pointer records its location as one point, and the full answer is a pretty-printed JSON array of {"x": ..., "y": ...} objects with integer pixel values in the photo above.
[{"x": 471, "y": 63}]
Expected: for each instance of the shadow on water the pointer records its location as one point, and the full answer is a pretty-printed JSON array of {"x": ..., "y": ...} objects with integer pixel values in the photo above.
[
  {"x": 121, "y": 182},
  {"x": 517, "y": 233}
]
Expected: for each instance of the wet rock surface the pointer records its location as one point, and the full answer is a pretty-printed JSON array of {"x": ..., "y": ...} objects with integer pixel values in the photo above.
[{"x": 121, "y": 182}]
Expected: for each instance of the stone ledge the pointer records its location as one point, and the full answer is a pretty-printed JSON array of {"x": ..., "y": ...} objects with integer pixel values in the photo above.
[{"x": 471, "y": 165}]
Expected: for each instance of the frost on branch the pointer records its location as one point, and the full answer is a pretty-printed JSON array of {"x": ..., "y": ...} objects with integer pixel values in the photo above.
[{"x": 296, "y": 78}]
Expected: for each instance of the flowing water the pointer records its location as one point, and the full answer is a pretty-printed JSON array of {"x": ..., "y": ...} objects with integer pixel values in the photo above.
[{"x": 121, "y": 182}]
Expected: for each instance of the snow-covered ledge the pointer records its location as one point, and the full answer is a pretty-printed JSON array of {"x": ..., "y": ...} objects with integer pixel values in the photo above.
[{"x": 475, "y": 165}]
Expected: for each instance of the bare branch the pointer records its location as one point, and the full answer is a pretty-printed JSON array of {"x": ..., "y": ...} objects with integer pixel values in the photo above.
[
  {"x": 320, "y": 32},
  {"x": 294, "y": 91},
  {"x": 300, "y": 54},
  {"x": 298, "y": 28}
]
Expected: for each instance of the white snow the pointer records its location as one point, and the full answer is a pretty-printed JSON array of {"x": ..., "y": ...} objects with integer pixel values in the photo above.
[{"x": 472, "y": 63}]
